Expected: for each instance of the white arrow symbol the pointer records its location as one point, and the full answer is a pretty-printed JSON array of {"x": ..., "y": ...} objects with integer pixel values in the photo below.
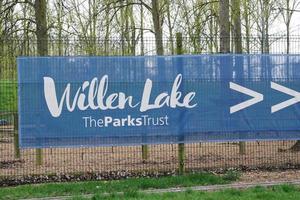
[
  {"x": 286, "y": 103},
  {"x": 257, "y": 97}
]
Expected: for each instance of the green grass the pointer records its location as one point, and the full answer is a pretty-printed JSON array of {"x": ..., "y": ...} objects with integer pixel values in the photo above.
[
  {"x": 128, "y": 186},
  {"x": 284, "y": 192},
  {"x": 8, "y": 96}
]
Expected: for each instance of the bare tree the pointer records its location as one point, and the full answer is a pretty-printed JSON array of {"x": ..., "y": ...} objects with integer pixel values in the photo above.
[
  {"x": 213, "y": 27},
  {"x": 157, "y": 18},
  {"x": 107, "y": 26},
  {"x": 264, "y": 13},
  {"x": 237, "y": 31},
  {"x": 198, "y": 19},
  {"x": 59, "y": 11},
  {"x": 238, "y": 49},
  {"x": 287, "y": 9},
  {"x": 40, "y": 7},
  {"x": 246, "y": 16},
  {"x": 170, "y": 26},
  {"x": 142, "y": 29},
  {"x": 224, "y": 23}
]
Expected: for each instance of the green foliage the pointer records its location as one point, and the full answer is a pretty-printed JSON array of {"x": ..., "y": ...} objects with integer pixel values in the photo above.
[{"x": 8, "y": 96}]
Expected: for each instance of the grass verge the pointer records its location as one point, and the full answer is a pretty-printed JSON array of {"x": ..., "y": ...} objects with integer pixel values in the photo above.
[
  {"x": 286, "y": 192},
  {"x": 97, "y": 187}
]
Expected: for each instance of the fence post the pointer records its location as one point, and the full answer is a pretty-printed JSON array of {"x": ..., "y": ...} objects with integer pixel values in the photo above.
[
  {"x": 39, "y": 158},
  {"x": 16, "y": 135},
  {"x": 144, "y": 152},
  {"x": 242, "y": 148},
  {"x": 181, "y": 152}
]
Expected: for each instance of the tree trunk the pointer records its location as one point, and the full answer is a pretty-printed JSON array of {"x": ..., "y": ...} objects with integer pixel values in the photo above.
[
  {"x": 107, "y": 28},
  {"x": 237, "y": 26},
  {"x": 126, "y": 29},
  {"x": 267, "y": 44},
  {"x": 247, "y": 25},
  {"x": 94, "y": 24},
  {"x": 288, "y": 21},
  {"x": 92, "y": 28},
  {"x": 265, "y": 26},
  {"x": 40, "y": 7},
  {"x": 288, "y": 38},
  {"x": 59, "y": 26},
  {"x": 122, "y": 21},
  {"x": 224, "y": 26},
  {"x": 236, "y": 9},
  {"x": 211, "y": 29},
  {"x": 170, "y": 27},
  {"x": 142, "y": 30},
  {"x": 181, "y": 148},
  {"x": 157, "y": 23},
  {"x": 132, "y": 31}
]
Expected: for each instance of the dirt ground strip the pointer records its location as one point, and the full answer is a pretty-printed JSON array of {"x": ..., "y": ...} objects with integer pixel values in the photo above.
[
  {"x": 161, "y": 158},
  {"x": 270, "y": 176}
]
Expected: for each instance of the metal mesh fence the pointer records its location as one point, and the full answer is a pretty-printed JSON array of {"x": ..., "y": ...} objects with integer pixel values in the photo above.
[{"x": 15, "y": 162}]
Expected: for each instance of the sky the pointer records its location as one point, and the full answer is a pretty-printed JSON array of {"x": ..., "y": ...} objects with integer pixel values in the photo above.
[{"x": 279, "y": 25}]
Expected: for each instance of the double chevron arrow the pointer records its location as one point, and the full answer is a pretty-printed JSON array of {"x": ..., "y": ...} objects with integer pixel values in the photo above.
[{"x": 258, "y": 97}]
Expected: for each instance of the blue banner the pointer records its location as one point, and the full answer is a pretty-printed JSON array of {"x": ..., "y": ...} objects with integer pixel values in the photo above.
[{"x": 106, "y": 101}]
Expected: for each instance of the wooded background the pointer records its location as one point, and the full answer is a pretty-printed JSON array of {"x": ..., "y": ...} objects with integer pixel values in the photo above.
[{"x": 126, "y": 27}]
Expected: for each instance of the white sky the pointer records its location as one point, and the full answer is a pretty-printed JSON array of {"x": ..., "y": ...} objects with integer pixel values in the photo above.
[{"x": 279, "y": 26}]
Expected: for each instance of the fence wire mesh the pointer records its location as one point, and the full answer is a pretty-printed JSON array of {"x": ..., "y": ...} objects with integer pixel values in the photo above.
[{"x": 15, "y": 162}]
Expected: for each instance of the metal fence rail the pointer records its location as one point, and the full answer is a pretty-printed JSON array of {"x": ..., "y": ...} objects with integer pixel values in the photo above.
[{"x": 15, "y": 162}]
